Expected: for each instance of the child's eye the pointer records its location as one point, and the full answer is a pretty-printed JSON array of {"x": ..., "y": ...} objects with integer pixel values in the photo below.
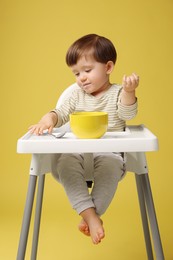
[
  {"x": 77, "y": 74},
  {"x": 88, "y": 70}
]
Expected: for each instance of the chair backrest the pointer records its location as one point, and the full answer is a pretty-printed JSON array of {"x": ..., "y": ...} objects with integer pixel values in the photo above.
[{"x": 66, "y": 93}]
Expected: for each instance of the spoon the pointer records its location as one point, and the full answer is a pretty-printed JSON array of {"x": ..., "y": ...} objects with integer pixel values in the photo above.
[{"x": 58, "y": 135}]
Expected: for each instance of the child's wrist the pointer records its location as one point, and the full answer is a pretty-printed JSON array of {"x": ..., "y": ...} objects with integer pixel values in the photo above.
[
  {"x": 128, "y": 97},
  {"x": 54, "y": 117},
  {"x": 128, "y": 92}
]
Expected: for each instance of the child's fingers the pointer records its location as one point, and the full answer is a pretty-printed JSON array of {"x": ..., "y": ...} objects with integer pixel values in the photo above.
[
  {"x": 133, "y": 79},
  {"x": 124, "y": 81},
  {"x": 50, "y": 129},
  {"x": 36, "y": 129},
  {"x": 131, "y": 82},
  {"x": 136, "y": 77},
  {"x": 32, "y": 129},
  {"x": 124, "y": 78}
]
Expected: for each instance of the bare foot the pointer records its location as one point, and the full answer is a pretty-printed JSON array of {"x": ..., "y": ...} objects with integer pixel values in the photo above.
[
  {"x": 96, "y": 230},
  {"x": 93, "y": 225},
  {"x": 83, "y": 227}
]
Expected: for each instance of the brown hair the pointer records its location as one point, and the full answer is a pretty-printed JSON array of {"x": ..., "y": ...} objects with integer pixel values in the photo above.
[{"x": 97, "y": 46}]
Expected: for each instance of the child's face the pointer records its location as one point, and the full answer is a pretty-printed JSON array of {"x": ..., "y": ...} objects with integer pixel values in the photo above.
[{"x": 92, "y": 76}]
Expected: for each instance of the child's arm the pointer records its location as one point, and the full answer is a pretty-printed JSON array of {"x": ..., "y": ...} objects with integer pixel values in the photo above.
[
  {"x": 129, "y": 85},
  {"x": 48, "y": 121}
]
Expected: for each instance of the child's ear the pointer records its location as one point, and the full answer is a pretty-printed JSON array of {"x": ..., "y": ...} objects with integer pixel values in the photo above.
[{"x": 109, "y": 67}]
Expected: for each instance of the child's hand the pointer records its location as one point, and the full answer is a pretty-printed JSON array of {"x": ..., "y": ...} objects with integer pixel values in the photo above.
[
  {"x": 47, "y": 122},
  {"x": 130, "y": 83}
]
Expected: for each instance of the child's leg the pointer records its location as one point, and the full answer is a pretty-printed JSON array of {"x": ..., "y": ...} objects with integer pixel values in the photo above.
[
  {"x": 107, "y": 173},
  {"x": 108, "y": 170},
  {"x": 70, "y": 173}
]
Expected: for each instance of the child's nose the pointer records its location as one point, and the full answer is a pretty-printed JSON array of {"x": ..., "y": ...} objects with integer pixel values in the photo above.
[{"x": 83, "y": 77}]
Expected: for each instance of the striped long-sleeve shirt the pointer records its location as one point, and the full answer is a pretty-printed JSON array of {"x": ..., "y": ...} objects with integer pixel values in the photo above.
[{"x": 109, "y": 102}]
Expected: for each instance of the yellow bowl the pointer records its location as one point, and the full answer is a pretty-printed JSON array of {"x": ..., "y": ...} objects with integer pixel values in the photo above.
[{"x": 89, "y": 124}]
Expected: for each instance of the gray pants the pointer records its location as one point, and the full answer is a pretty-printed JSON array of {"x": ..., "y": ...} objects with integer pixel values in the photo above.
[{"x": 108, "y": 169}]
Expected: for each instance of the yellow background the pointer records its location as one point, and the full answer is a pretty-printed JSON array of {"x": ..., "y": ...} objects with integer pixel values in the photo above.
[{"x": 34, "y": 38}]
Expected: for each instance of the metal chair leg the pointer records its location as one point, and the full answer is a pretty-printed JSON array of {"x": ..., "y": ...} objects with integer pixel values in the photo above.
[
  {"x": 152, "y": 216},
  {"x": 26, "y": 218},
  {"x": 40, "y": 191},
  {"x": 144, "y": 218}
]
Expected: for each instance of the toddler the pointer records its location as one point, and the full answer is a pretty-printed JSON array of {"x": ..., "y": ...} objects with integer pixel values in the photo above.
[{"x": 92, "y": 59}]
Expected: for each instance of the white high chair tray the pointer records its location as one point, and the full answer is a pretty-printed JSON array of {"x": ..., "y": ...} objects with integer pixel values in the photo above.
[{"x": 134, "y": 139}]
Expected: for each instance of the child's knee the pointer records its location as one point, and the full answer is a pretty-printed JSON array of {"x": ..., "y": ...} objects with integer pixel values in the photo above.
[
  {"x": 68, "y": 165},
  {"x": 110, "y": 166},
  {"x": 69, "y": 161}
]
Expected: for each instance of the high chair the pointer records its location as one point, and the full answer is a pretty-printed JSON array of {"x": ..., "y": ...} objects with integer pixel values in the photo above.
[{"x": 135, "y": 141}]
